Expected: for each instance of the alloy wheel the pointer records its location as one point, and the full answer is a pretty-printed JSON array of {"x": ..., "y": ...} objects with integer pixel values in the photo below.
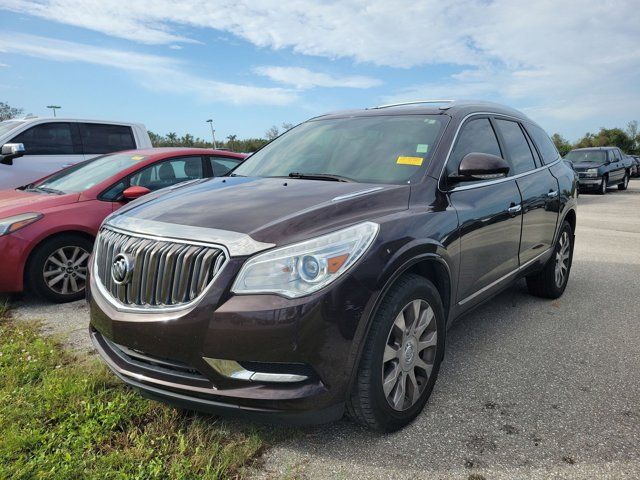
[
  {"x": 562, "y": 259},
  {"x": 409, "y": 355},
  {"x": 65, "y": 270}
]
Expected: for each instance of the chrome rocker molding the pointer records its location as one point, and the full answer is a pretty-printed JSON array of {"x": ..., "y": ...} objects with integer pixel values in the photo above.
[
  {"x": 503, "y": 278},
  {"x": 236, "y": 243}
]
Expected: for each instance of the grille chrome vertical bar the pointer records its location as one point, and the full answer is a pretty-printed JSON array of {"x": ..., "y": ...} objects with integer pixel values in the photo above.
[{"x": 165, "y": 273}]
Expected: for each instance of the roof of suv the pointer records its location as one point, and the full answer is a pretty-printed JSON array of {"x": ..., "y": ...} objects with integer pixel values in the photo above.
[
  {"x": 431, "y": 107},
  {"x": 593, "y": 148}
]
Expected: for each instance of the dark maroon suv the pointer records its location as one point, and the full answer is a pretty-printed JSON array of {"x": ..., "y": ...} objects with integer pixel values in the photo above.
[{"x": 321, "y": 276}]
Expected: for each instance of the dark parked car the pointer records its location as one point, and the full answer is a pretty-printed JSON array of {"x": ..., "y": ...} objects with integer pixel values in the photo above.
[
  {"x": 600, "y": 167},
  {"x": 635, "y": 172},
  {"x": 323, "y": 273}
]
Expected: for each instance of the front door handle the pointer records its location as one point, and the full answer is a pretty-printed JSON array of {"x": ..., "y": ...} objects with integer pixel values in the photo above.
[
  {"x": 552, "y": 194},
  {"x": 513, "y": 210}
]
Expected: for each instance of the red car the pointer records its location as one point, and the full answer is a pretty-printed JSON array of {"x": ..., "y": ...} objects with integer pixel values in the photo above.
[{"x": 47, "y": 228}]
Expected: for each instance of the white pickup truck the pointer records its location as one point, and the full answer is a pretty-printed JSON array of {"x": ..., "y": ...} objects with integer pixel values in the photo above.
[{"x": 51, "y": 144}]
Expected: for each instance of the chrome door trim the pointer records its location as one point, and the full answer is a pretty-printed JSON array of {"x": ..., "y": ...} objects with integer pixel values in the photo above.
[
  {"x": 237, "y": 244},
  {"x": 503, "y": 278}
]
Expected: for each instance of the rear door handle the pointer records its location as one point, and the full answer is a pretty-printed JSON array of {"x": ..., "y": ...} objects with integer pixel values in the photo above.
[
  {"x": 552, "y": 194},
  {"x": 514, "y": 209}
]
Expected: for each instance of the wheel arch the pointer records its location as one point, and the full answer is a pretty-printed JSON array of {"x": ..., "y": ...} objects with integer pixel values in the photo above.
[
  {"x": 431, "y": 266},
  {"x": 43, "y": 240}
]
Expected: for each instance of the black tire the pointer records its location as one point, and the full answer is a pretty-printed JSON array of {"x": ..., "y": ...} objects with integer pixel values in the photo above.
[
  {"x": 544, "y": 283},
  {"x": 39, "y": 261},
  {"x": 368, "y": 404},
  {"x": 625, "y": 182},
  {"x": 603, "y": 185}
]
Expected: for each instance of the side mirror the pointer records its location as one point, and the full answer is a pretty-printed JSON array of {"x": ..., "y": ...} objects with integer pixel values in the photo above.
[
  {"x": 480, "y": 166},
  {"x": 134, "y": 192},
  {"x": 11, "y": 151}
]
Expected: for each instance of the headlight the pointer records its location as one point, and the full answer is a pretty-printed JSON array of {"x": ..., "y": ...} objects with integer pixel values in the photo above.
[
  {"x": 303, "y": 268},
  {"x": 11, "y": 224},
  {"x": 592, "y": 172}
]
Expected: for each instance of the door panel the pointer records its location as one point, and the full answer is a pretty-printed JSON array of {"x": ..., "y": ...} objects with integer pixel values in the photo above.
[
  {"x": 489, "y": 234},
  {"x": 540, "y": 205}
]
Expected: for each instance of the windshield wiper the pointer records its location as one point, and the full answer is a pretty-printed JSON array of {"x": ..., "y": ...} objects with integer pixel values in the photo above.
[
  {"x": 320, "y": 176},
  {"x": 45, "y": 190}
]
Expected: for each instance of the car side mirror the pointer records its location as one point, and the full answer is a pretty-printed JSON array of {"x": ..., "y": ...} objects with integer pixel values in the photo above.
[
  {"x": 11, "y": 151},
  {"x": 480, "y": 166},
  {"x": 134, "y": 192}
]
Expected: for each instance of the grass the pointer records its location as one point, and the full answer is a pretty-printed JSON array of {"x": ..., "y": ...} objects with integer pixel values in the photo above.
[{"x": 66, "y": 417}]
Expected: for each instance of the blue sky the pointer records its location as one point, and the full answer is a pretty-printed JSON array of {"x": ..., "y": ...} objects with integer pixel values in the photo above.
[{"x": 248, "y": 65}]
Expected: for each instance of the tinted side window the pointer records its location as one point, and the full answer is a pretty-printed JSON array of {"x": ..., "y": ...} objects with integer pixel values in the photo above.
[
  {"x": 47, "y": 139},
  {"x": 543, "y": 142},
  {"x": 168, "y": 173},
  {"x": 611, "y": 156},
  {"x": 517, "y": 146},
  {"x": 222, "y": 165},
  {"x": 618, "y": 156},
  {"x": 476, "y": 136},
  {"x": 99, "y": 138}
]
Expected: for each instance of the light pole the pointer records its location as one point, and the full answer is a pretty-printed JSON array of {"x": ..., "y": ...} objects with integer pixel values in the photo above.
[
  {"x": 54, "y": 108},
  {"x": 213, "y": 133}
]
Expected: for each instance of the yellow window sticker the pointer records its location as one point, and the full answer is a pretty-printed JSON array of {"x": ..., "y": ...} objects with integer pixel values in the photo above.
[
  {"x": 422, "y": 148},
  {"x": 417, "y": 161},
  {"x": 137, "y": 157}
]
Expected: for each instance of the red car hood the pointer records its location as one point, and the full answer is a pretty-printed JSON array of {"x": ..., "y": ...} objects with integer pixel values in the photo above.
[{"x": 15, "y": 202}]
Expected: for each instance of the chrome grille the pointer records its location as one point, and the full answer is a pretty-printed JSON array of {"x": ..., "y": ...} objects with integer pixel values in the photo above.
[{"x": 165, "y": 272}]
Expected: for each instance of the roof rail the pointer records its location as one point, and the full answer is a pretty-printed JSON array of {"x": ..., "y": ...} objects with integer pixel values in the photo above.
[{"x": 415, "y": 102}]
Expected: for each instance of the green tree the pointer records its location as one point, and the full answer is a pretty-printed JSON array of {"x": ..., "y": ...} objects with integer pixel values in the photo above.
[
  {"x": 7, "y": 111},
  {"x": 607, "y": 137},
  {"x": 634, "y": 135},
  {"x": 561, "y": 144},
  {"x": 231, "y": 141}
]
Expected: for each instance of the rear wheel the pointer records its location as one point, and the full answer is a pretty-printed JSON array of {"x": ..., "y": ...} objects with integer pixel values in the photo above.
[
  {"x": 551, "y": 281},
  {"x": 603, "y": 185},
  {"x": 625, "y": 182},
  {"x": 401, "y": 357},
  {"x": 57, "y": 269}
]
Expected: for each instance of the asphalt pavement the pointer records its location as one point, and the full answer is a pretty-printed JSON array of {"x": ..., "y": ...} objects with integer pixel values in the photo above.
[{"x": 529, "y": 388}]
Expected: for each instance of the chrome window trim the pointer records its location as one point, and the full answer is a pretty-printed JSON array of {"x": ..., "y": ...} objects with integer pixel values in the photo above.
[
  {"x": 121, "y": 307},
  {"x": 503, "y": 278},
  {"x": 486, "y": 182},
  {"x": 235, "y": 244}
]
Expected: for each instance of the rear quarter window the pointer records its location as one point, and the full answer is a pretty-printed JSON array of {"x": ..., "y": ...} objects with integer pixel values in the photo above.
[
  {"x": 101, "y": 138},
  {"x": 545, "y": 146}
]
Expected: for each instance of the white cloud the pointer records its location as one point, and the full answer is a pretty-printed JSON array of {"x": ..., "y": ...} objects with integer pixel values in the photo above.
[
  {"x": 152, "y": 71},
  {"x": 303, "y": 78},
  {"x": 3, "y": 65},
  {"x": 581, "y": 55}
]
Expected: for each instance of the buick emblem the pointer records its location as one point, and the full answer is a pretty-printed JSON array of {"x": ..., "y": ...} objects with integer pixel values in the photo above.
[{"x": 122, "y": 269}]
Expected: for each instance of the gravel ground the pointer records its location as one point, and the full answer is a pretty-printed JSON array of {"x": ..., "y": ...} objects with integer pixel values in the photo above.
[{"x": 529, "y": 388}]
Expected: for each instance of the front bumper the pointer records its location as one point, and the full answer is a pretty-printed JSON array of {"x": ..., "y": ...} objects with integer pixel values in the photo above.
[
  {"x": 315, "y": 333},
  {"x": 13, "y": 252},
  {"x": 591, "y": 182}
]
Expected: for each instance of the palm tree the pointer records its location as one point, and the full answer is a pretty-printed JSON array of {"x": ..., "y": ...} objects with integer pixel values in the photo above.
[{"x": 231, "y": 139}]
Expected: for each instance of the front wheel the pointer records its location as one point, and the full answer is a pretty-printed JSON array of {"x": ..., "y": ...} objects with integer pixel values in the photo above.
[
  {"x": 551, "y": 281},
  {"x": 57, "y": 269},
  {"x": 625, "y": 182},
  {"x": 401, "y": 357},
  {"x": 603, "y": 185}
]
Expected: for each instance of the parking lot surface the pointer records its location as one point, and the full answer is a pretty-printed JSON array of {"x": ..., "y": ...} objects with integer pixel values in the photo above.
[{"x": 529, "y": 387}]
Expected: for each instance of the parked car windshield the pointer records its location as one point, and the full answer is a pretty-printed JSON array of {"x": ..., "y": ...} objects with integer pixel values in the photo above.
[
  {"x": 9, "y": 125},
  {"x": 87, "y": 174},
  {"x": 376, "y": 149},
  {"x": 587, "y": 156}
]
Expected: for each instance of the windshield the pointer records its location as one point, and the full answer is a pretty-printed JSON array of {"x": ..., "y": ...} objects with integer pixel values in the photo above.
[
  {"x": 87, "y": 174},
  {"x": 376, "y": 149},
  {"x": 587, "y": 156},
  {"x": 8, "y": 125}
]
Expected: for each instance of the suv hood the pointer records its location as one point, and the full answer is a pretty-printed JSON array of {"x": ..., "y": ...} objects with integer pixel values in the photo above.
[
  {"x": 274, "y": 210},
  {"x": 15, "y": 202}
]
